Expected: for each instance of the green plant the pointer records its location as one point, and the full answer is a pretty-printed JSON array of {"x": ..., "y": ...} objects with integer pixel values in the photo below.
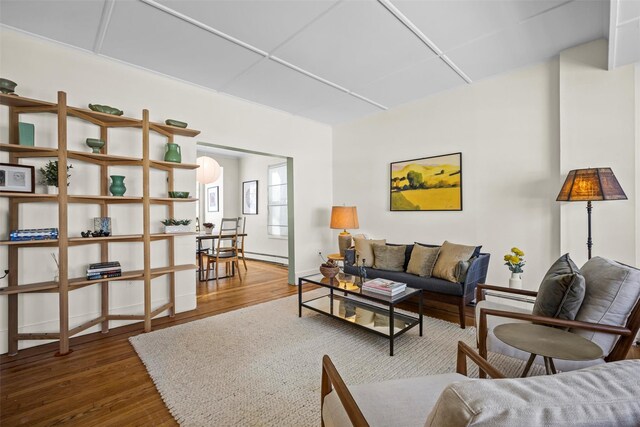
[
  {"x": 173, "y": 221},
  {"x": 49, "y": 173}
]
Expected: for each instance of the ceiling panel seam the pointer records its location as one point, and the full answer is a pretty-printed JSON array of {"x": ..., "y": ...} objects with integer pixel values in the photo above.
[
  {"x": 613, "y": 33},
  {"x": 105, "y": 19},
  {"x": 304, "y": 27},
  {"x": 391, "y": 8},
  {"x": 254, "y": 49}
]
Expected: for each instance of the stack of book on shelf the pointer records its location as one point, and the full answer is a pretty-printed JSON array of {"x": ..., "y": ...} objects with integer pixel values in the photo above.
[
  {"x": 104, "y": 270},
  {"x": 384, "y": 287},
  {"x": 34, "y": 234}
]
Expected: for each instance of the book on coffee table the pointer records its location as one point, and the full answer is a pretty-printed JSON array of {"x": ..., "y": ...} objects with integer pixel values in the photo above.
[{"x": 384, "y": 286}]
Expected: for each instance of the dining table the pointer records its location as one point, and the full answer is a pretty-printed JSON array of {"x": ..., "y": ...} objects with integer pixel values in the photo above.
[{"x": 213, "y": 237}]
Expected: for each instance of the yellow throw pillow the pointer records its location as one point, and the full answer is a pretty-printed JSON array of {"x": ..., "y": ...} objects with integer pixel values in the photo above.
[
  {"x": 364, "y": 251},
  {"x": 422, "y": 260},
  {"x": 448, "y": 258}
]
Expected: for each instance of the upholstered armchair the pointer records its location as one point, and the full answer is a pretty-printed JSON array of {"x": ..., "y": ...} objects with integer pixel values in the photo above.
[
  {"x": 608, "y": 315},
  {"x": 453, "y": 399}
]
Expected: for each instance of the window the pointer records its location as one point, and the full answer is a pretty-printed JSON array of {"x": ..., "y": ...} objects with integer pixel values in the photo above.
[{"x": 277, "y": 217}]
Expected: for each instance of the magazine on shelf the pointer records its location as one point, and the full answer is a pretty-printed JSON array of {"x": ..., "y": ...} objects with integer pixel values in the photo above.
[
  {"x": 103, "y": 269},
  {"x": 104, "y": 264}
]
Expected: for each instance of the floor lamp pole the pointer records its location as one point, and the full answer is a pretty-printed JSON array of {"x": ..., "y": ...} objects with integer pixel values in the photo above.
[{"x": 589, "y": 241}]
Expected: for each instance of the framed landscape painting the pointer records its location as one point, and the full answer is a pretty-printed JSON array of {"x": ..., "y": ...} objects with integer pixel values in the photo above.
[{"x": 427, "y": 184}]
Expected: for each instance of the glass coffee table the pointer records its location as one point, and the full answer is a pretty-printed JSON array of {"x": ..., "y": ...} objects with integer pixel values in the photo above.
[{"x": 373, "y": 312}]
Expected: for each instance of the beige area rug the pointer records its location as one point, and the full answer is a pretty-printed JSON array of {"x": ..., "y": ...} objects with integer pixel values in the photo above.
[{"x": 261, "y": 365}]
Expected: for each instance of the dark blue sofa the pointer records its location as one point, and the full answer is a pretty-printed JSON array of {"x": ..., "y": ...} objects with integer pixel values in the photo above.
[{"x": 434, "y": 289}]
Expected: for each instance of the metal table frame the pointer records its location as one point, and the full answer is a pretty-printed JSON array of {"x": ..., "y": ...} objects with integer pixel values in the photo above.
[{"x": 389, "y": 302}]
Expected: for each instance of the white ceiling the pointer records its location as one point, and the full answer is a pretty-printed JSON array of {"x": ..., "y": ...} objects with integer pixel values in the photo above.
[{"x": 329, "y": 60}]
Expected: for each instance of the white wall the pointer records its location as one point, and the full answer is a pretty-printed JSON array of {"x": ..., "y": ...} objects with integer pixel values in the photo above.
[
  {"x": 598, "y": 129},
  {"x": 509, "y": 132},
  {"x": 255, "y": 167},
  {"x": 41, "y": 68}
]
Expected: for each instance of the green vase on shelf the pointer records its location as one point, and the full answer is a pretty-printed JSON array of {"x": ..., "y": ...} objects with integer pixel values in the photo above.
[
  {"x": 117, "y": 185},
  {"x": 173, "y": 153}
]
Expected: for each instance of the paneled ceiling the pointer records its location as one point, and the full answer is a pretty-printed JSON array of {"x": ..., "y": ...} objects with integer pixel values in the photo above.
[{"x": 327, "y": 60}]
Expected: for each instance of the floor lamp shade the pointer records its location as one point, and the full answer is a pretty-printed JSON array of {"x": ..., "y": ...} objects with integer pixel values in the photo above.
[
  {"x": 587, "y": 185},
  {"x": 343, "y": 217},
  {"x": 209, "y": 170}
]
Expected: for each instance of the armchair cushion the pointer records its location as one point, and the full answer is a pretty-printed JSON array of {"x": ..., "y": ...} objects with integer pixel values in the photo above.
[
  {"x": 605, "y": 395},
  {"x": 612, "y": 290},
  {"x": 401, "y": 402},
  {"x": 561, "y": 291}
]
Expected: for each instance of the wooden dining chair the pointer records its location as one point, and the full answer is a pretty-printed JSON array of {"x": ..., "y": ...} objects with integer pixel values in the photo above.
[
  {"x": 227, "y": 254},
  {"x": 242, "y": 223}
]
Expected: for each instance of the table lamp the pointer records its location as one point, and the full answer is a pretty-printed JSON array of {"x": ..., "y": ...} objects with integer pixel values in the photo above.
[
  {"x": 587, "y": 185},
  {"x": 343, "y": 217}
]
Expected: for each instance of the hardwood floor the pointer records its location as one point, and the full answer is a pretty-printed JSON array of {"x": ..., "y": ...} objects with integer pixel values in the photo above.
[{"x": 103, "y": 382}]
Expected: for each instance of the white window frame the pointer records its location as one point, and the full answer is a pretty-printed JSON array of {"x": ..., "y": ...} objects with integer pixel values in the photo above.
[{"x": 279, "y": 204}]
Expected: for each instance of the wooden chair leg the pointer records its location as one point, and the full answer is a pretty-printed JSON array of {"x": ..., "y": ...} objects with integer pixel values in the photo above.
[
  {"x": 238, "y": 269},
  {"x": 215, "y": 270},
  {"x": 244, "y": 262},
  {"x": 208, "y": 270},
  {"x": 463, "y": 322}
]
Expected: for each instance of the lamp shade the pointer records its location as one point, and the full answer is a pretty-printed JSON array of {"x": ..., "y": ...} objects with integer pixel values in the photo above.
[
  {"x": 583, "y": 185},
  {"x": 209, "y": 170},
  {"x": 343, "y": 217}
]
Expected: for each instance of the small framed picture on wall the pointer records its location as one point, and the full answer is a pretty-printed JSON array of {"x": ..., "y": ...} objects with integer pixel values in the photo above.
[
  {"x": 250, "y": 198},
  {"x": 213, "y": 199},
  {"x": 16, "y": 178}
]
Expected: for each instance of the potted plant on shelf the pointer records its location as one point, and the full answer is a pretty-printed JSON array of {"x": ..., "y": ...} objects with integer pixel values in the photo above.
[
  {"x": 172, "y": 225},
  {"x": 49, "y": 174}
]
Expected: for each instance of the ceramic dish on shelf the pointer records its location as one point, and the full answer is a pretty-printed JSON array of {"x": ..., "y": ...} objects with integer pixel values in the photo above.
[
  {"x": 106, "y": 109},
  {"x": 176, "y": 123},
  {"x": 7, "y": 86},
  {"x": 179, "y": 194},
  {"x": 95, "y": 144}
]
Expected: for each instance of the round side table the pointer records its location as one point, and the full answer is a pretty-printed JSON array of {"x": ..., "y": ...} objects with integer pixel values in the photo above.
[{"x": 550, "y": 343}]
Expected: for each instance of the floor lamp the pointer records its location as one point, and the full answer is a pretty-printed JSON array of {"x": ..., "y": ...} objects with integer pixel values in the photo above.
[{"x": 587, "y": 185}]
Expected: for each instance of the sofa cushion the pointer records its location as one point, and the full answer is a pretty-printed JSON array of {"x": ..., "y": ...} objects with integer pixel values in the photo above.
[
  {"x": 388, "y": 257},
  {"x": 401, "y": 402},
  {"x": 422, "y": 261},
  {"x": 561, "y": 291},
  {"x": 364, "y": 251},
  {"x": 603, "y": 395},
  {"x": 462, "y": 268},
  {"x": 612, "y": 290},
  {"x": 450, "y": 254}
]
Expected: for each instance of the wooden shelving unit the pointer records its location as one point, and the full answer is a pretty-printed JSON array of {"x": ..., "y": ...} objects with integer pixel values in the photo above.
[{"x": 65, "y": 284}]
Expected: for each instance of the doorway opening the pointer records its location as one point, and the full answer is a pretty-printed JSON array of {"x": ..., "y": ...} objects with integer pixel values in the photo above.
[{"x": 256, "y": 186}]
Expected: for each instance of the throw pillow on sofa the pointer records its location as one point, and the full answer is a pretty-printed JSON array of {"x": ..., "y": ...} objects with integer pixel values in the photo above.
[
  {"x": 422, "y": 260},
  {"x": 448, "y": 258},
  {"x": 364, "y": 251},
  {"x": 389, "y": 258},
  {"x": 561, "y": 291}
]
